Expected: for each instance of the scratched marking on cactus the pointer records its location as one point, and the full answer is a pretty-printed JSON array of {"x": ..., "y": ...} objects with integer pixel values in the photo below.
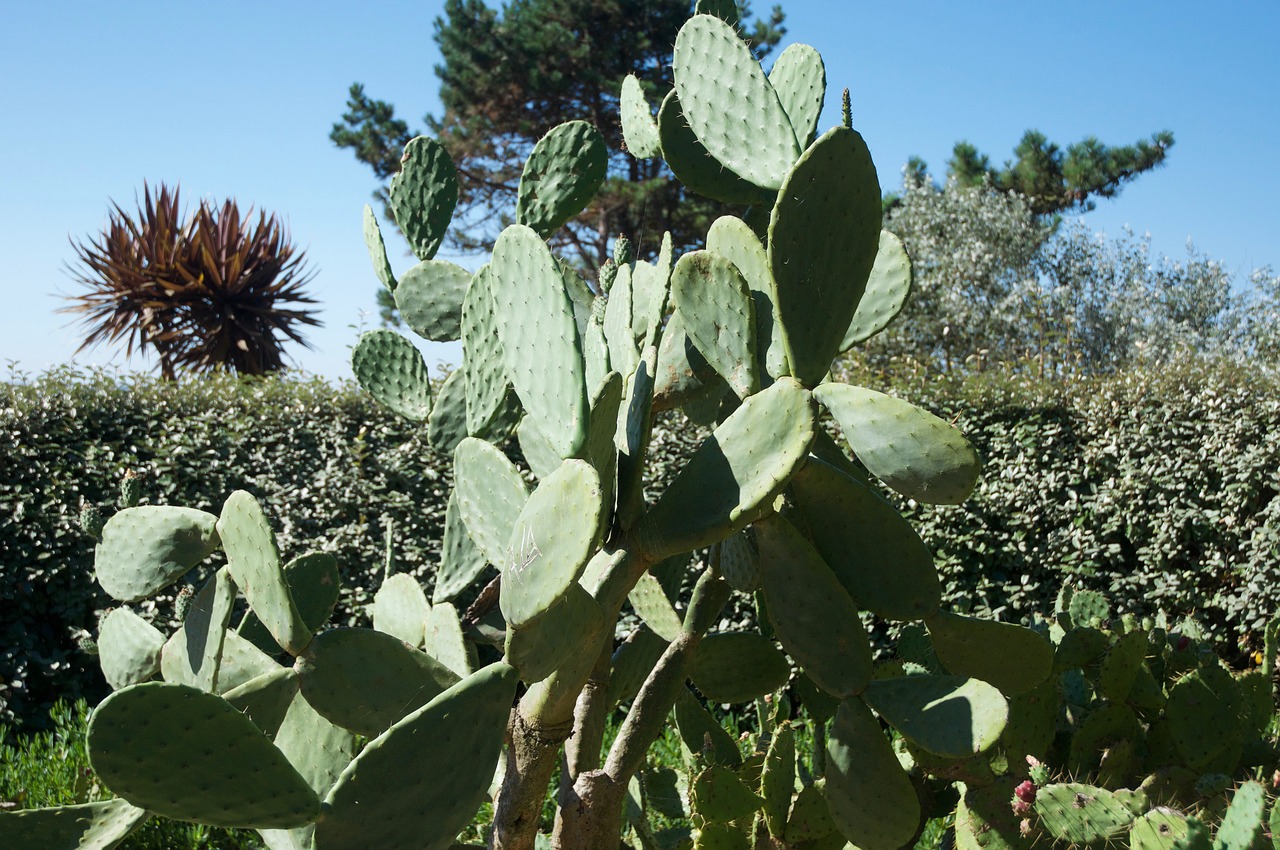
[{"x": 523, "y": 557}]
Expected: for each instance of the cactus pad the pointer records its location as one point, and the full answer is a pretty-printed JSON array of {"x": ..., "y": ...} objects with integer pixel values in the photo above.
[
  {"x": 719, "y": 795},
  {"x": 948, "y": 716},
  {"x": 914, "y": 452},
  {"x": 1202, "y": 711},
  {"x": 632, "y": 663},
  {"x": 823, "y": 236},
  {"x": 461, "y": 561},
  {"x": 719, "y": 317},
  {"x": 564, "y": 171},
  {"x": 392, "y": 370},
  {"x": 540, "y": 337},
  {"x": 483, "y": 367},
  {"x": 443, "y": 640},
  {"x": 653, "y": 607},
  {"x": 128, "y": 648},
  {"x": 702, "y": 734},
  {"x": 777, "y": 780},
  {"x": 539, "y": 648},
  {"x": 800, "y": 80},
  {"x": 1081, "y": 814},
  {"x": 365, "y": 681},
  {"x": 447, "y": 424},
  {"x": 442, "y": 757},
  {"x": 424, "y": 194},
  {"x": 639, "y": 130},
  {"x": 814, "y": 617},
  {"x": 181, "y": 753},
  {"x": 378, "y": 250},
  {"x": 734, "y": 475},
  {"x": 870, "y": 797},
  {"x": 886, "y": 292},
  {"x": 254, "y": 563},
  {"x": 87, "y": 826},
  {"x": 734, "y": 667},
  {"x": 1013, "y": 658},
  {"x": 875, "y": 553},
  {"x": 400, "y": 609},
  {"x": 314, "y": 584},
  {"x": 733, "y": 109},
  {"x": 733, "y": 239},
  {"x": 202, "y": 637},
  {"x": 145, "y": 549},
  {"x": 490, "y": 494},
  {"x": 241, "y": 661},
  {"x": 430, "y": 299},
  {"x": 682, "y": 374},
  {"x": 265, "y": 699},
  {"x": 1158, "y": 829},
  {"x": 545, "y": 555}
]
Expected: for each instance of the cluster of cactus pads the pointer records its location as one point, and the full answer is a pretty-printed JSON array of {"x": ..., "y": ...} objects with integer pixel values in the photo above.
[{"x": 254, "y": 714}]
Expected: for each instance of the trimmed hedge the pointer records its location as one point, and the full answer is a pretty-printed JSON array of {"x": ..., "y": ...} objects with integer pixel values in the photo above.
[{"x": 1159, "y": 489}]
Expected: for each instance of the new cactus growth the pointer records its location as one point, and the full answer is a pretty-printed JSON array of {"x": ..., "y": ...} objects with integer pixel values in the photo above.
[{"x": 254, "y": 721}]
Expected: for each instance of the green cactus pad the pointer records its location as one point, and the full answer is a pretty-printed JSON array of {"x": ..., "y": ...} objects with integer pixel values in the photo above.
[
  {"x": 725, "y": 10},
  {"x": 735, "y": 474},
  {"x": 1202, "y": 711},
  {"x": 639, "y": 130},
  {"x": 721, "y": 836},
  {"x": 483, "y": 366},
  {"x": 777, "y": 780},
  {"x": 87, "y": 826},
  {"x": 564, "y": 171},
  {"x": 538, "y": 452},
  {"x": 319, "y": 751},
  {"x": 1081, "y": 814},
  {"x": 916, "y": 453},
  {"x": 429, "y": 298},
  {"x": 734, "y": 667},
  {"x": 810, "y": 824},
  {"x": 602, "y": 452},
  {"x": 650, "y": 289},
  {"x": 314, "y": 584},
  {"x": 800, "y": 80},
  {"x": 365, "y": 681},
  {"x": 870, "y": 797},
  {"x": 733, "y": 239},
  {"x": 424, "y": 194},
  {"x": 718, "y": 315},
  {"x": 1080, "y": 647},
  {"x": 595, "y": 347},
  {"x": 702, "y": 733},
  {"x": 539, "y": 648},
  {"x": 823, "y": 236},
  {"x": 1158, "y": 829},
  {"x": 813, "y": 615},
  {"x": 694, "y": 166},
  {"x": 1088, "y": 608},
  {"x": 948, "y": 716},
  {"x": 447, "y": 424},
  {"x": 181, "y": 753},
  {"x": 875, "y": 553},
  {"x": 732, "y": 109},
  {"x": 400, "y": 609},
  {"x": 254, "y": 563},
  {"x": 683, "y": 375},
  {"x": 652, "y": 606},
  {"x": 241, "y": 661},
  {"x": 461, "y": 561},
  {"x": 545, "y": 555},
  {"x": 623, "y": 354},
  {"x": 443, "y": 640},
  {"x": 391, "y": 370},
  {"x": 1242, "y": 825},
  {"x": 631, "y": 664},
  {"x": 378, "y": 250},
  {"x": 490, "y": 494},
  {"x": 442, "y": 757},
  {"x": 265, "y": 699},
  {"x": 202, "y": 637},
  {"x": 886, "y": 294},
  {"x": 1033, "y": 719},
  {"x": 740, "y": 563},
  {"x": 143, "y": 550},
  {"x": 1120, "y": 667},
  {"x": 719, "y": 795},
  {"x": 128, "y": 648},
  {"x": 540, "y": 337},
  {"x": 1013, "y": 658}
]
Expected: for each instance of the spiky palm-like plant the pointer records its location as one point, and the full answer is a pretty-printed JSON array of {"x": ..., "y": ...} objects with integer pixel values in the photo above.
[{"x": 215, "y": 291}]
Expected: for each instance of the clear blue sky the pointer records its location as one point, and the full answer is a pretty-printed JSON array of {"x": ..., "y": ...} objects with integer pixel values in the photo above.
[{"x": 237, "y": 98}]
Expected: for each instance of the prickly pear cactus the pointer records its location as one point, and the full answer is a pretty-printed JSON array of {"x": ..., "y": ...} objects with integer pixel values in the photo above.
[{"x": 394, "y": 736}]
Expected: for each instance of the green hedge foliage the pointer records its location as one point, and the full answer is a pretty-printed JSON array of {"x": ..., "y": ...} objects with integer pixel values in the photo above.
[{"x": 1159, "y": 489}]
